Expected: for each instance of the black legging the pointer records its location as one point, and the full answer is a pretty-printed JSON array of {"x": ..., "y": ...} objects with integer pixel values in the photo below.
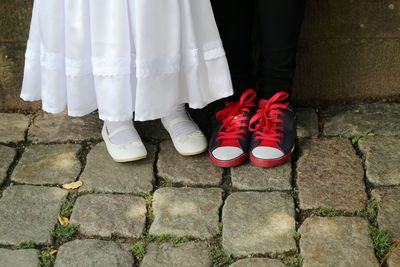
[{"x": 278, "y": 25}]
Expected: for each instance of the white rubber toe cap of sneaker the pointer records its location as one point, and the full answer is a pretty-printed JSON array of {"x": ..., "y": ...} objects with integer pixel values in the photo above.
[
  {"x": 126, "y": 152},
  {"x": 227, "y": 152},
  {"x": 264, "y": 152},
  {"x": 191, "y": 144}
]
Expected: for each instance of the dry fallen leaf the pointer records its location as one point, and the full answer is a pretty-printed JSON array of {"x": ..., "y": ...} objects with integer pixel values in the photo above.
[
  {"x": 53, "y": 251},
  {"x": 63, "y": 220},
  {"x": 73, "y": 185}
]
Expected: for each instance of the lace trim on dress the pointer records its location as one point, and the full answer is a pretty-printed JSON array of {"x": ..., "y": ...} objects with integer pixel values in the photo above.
[{"x": 103, "y": 66}]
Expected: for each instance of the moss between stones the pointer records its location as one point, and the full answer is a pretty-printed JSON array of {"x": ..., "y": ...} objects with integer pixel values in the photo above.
[
  {"x": 26, "y": 244},
  {"x": 220, "y": 257},
  {"x": 381, "y": 240},
  {"x": 138, "y": 250},
  {"x": 47, "y": 259}
]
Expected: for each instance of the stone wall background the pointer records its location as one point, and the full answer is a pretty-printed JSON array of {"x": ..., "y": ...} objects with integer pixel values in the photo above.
[{"x": 349, "y": 51}]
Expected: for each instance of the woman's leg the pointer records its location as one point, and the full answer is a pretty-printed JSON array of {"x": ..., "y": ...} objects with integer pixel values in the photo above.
[
  {"x": 230, "y": 140},
  {"x": 279, "y": 23},
  {"x": 273, "y": 125},
  {"x": 235, "y": 22}
]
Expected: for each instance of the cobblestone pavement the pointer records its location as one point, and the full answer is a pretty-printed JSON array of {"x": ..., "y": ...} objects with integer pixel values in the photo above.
[{"x": 337, "y": 203}]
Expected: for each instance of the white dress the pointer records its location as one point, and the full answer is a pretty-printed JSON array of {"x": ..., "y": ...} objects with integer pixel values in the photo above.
[{"x": 124, "y": 56}]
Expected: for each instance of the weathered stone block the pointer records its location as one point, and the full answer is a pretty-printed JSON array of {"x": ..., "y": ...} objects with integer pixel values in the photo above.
[
  {"x": 60, "y": 128},
  {"x": 389, "y": 209},
  {"x": 19, "y": 258},
  {"x": 191, "y": 212},
  {"x": 102, "y": 174},
  {"x": 258, "y": 223},
  {"x": 108, "y": 215},
  {"x": 382, "y": 159},
  {"x": 258, "y": 262},
  {"x": 355, "y": 120},
  {"x": 7, "y": 155},
  {"x": 337, "y": 241},
  {"x": 48, "y": 164},
  {"x": 196, "y": 170},
  {"x": 91, "y": 252},
  {"x": 13, "y": 127},
  {"x": 250, "y": 177},
  {"x": 306, "y": 122},
  {"x": 29, "y": 213},
  {"x": 192, "y": 254},
  {"x": 330, "y": 174}
]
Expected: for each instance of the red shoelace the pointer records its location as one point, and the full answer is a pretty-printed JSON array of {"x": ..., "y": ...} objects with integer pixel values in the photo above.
[
  {"x": 267, "y": 123},
  {"x": 234, "y": 123}
]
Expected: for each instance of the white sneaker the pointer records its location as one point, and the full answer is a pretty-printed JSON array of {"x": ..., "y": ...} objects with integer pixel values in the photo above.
[
  {"x": 187, "y": 142},
  {"x": 123, "y": 152}
]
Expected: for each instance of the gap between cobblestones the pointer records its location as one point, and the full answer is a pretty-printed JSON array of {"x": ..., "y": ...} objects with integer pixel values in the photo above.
[
  {"x": 295, "y": 196},
  {"x": 20, "y": 148},
  {"x": 159, "y": 182},
  {"x": 373, "y": 221}
]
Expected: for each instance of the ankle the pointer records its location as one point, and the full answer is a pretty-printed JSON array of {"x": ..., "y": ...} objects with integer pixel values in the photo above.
[
  {"x": 179, "y": 123},
  {"x": 122, "y": 132}
]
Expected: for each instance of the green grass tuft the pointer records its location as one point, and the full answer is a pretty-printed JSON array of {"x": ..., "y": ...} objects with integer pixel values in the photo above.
[
  {"x": 296, "y": 235},
  {"x": 326, "y": 212},
  {"x": 381, "y": 240},
  {"x": 355, "y": 139},
  {"x": 66, "y": 208},
  {"x": 26, "y": 244},
  {"x": 219, "y": 257},
  {"x": 148, "y": 198},
  {"x": 298, "y": 262},
  {"x": 372, "y": 210},
  {"x": 138, "y": 250},
  {"x": 165, "y": 182},
  {"x": 166, "y": 238},
  {"x": 367, "y": 133},
  {"x": 65, "y": 232},
  {"x": 46, "y": 259}
]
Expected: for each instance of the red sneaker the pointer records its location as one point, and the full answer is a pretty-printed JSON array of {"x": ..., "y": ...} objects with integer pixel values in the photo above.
[
  {"x": 273, "y": 139},
  {"x": 230, "y": 141}
]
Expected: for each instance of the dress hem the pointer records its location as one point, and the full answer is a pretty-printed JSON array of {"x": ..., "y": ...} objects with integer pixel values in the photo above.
[{"x": 126, "y": 117}]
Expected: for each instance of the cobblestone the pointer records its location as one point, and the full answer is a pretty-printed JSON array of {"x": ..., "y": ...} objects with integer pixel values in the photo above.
[
  {"x": 389, "y": 209},
  {"x": 110, "y": 215},
  {"x": 250, "y": 177},
  {"x": 306, "y": 122},
  {"x": 192, "y": 254},
  {"x": 196, "y": 170},
  {"x": 337, "y": 241},
  {"x": 48, "y": 164},
  {"x": 29, "y": 213},
  {"x": 102, "y": 174},
  {"x": 7, "y": 155},
  {"x": 394, "y": 257},
  {"x": 258, "y": 262},
  {"x": 191, "y": 212},
  {"x": 355, "y": 120},
  {"x": 19, "y": 258},
  {"x": 266, "y": 227},
  {"x": 61, "y": 128},
  {"x": 13, "y": 127},
  {"x": 329, "y": 174},
  {"x": 93, "y": 252},
  {"x": 382, "y": 159}
]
